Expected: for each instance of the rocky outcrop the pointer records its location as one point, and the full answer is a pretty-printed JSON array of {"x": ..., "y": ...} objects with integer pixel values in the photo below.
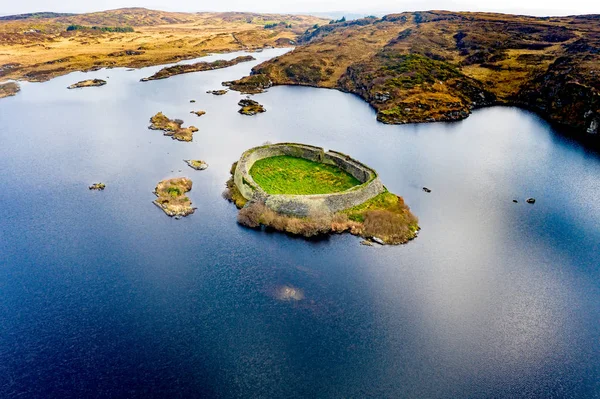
[
  {"x": 172, "y": 127},
  {"x": 217, "y": 92},
  {"x": 97, "y": 186},
  {"x": 88, "y": 83},
  {"x": 198, "y": 113},
  {"x": 171, "y": 197},
  {"x": 9, "y": 89},
  {"x": 250, "y": 107},
  {"x": 197, "y": 67},
  {"x": 196, "y": 164},
  {"x": 566, "y": 96},
  {"x": 252, "y": 84}
]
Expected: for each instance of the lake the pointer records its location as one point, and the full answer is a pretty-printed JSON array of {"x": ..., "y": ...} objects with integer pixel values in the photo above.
[{"x": 103, "y": 295}]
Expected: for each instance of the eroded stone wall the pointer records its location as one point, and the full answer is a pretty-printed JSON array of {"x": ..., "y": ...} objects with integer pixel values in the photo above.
[{"x": 305, "y": 205}]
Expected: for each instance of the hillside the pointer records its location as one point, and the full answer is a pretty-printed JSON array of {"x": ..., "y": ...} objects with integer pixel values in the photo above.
[
  {"x": 39, "y": 46},
  {"x": 438, "y": 66}
]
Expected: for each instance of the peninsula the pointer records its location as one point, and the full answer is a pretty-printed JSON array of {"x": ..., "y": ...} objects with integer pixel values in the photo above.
[
  {"x": 87, "y": 83},
  {"x": 303, "y": 190},
  {"x": 197, "y": 67}
]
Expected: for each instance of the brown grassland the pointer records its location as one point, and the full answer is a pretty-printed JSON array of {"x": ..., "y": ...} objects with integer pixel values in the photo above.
[
  {"x": 37, "y": 48},
  {"x": 439, "y": 65}
]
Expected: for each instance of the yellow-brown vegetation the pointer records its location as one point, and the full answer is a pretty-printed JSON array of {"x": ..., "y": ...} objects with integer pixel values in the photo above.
[{"x": 37, "y": 49}]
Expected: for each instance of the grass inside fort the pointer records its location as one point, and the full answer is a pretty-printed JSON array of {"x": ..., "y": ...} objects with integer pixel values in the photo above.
[{"x": 290, "y": 175}]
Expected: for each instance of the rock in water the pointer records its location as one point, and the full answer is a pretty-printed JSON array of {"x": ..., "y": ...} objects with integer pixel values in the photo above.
[
  {"x": 88, "y": 83},
  {"x": 531, "y": 200},
  {"x": 196, "y": 164},
  {"x": 97, "y": 186},
  {"x": 250, "y": 107},
  {"x": 426, "y": 190}
]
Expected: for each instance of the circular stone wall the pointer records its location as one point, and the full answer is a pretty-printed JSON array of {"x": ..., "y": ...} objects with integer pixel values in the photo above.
[{"x": 305, "y": 205}]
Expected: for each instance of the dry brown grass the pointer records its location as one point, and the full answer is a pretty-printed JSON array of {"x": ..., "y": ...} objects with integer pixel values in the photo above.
[
  {"x": 159, "y": 38},
  {"x": 171, "y": 196}
]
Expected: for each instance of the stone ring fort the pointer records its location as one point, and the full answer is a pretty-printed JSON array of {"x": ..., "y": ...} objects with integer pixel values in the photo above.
[{"x": 304, "y": 205}]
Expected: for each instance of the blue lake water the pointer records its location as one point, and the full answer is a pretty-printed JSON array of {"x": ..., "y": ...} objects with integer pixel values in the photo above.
[{"x": 103, "y": 295}]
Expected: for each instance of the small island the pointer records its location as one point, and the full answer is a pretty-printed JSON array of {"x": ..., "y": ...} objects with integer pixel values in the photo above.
[
  {"x": 97, "y": 186},
  {"x": 250, "y": 107},
  {"x": 88, "y": 83},
  {"x": 196, "y": 164},
  {"x": 304, "y": 190},
  {"x": 172, "y": 127},
  {"x": 217, "y": 92},
  {"x": 197, "y": 67},
  {"x": 198, "y": 113},
  {"x": 9, "y": 89},
  {"x": 171, "y": 197}
]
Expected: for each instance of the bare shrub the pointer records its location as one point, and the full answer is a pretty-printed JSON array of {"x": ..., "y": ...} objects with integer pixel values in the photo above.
[
  {"x": 250, "y": 214},
  {"x": 391, "y": 227}
]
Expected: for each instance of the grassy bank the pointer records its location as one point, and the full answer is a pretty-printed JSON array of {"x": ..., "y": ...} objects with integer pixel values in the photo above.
[{"x": 290, "y": 175}]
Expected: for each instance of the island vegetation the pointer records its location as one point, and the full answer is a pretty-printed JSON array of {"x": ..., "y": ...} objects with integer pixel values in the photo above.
[
  {"x": 250, "y": 107},
  {"x": 88, "y": 83},
  {"x": 9, "y": 89},
  {"x": 197, "y": 67},
  {"x": 283, "y": 181},
  {"x": 38, "y": 47},
  {"x": 172, "y": 127},
  {"x": 171, "y": 197},
  {"x": 439, "y": 65},
  {"x": 285, "y": 174}
]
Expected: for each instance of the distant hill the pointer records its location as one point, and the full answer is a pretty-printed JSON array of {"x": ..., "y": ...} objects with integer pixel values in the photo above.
[
  {"x": 439, "y": 65},
  {"x": 35, "y": 15}
]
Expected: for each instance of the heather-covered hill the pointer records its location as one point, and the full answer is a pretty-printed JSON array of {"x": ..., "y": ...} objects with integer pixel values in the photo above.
[{"x": 439, "y": 65}]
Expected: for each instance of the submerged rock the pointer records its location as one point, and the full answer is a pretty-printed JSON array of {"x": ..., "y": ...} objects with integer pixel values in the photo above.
[
  {"x": 250, "y": 107},
  {"x": 88, "y": 83}
]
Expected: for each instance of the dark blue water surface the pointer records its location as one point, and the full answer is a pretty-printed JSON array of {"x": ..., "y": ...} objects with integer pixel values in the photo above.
[{"x": 103, "y": 295}]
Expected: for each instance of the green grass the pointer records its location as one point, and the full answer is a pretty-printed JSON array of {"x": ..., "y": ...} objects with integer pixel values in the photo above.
[{"x": 290, "y": 175}]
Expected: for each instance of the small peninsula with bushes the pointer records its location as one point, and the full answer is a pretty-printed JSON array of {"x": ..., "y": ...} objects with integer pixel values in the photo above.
[
  {"x": 303, "y": 190},
  {"x": 197, "y": 67},
  {"x": 171, "y": 197},
  {"x": 172, "y": 127},
  {"x": 87, "y": 83}
]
